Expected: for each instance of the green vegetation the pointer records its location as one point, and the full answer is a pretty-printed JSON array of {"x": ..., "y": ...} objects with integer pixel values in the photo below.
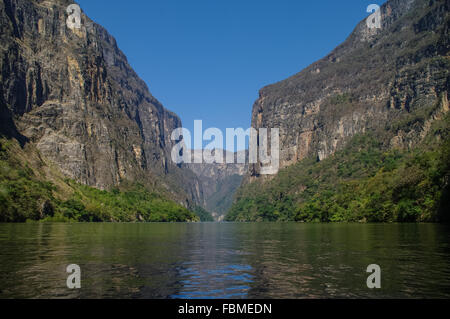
[
  {"x": 126, "y": 204},
  {"x": 204, "y": 215},
  {"x": 25, "y": 195},
  {"x": 362, "y": 183}
]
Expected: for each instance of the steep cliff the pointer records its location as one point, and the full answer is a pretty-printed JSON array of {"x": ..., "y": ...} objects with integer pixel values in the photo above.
[
  {"x": 72, "y": 94},
  {"x": 376, "y": 77},
  {"x": 387, "y": 87}
]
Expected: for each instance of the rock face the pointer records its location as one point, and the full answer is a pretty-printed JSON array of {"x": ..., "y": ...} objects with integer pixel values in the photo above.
[
  {"x": 219, "y": 184},
  {"x": 376, "y": 77},
  {"x": 73, "y": 94}
]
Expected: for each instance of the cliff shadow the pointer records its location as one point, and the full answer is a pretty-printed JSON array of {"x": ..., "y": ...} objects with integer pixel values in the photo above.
[{"x": 8, "y": 128}]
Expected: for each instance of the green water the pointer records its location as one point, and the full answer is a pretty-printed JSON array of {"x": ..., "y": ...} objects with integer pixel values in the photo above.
[{"x": 215, "y": 260}]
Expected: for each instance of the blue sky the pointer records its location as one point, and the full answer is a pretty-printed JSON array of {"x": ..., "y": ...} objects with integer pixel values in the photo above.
[{"x": 207, "y": 59}]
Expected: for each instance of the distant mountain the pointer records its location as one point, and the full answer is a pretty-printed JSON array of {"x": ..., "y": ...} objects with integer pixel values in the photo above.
[
  {"x": 72, "y": 95},
  {"x": 386, "y": 87},
  {"x": 219, "y": 183}
]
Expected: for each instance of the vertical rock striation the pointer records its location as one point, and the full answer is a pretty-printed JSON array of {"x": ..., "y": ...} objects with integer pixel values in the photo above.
[
  {"x": 376, "y": 77},
  {"x": 73, "y": 94}
]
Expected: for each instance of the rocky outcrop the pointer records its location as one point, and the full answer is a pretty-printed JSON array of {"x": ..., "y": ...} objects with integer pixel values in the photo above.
[
  {"x": 73, "y": 94},
  {"x": 377, "y": 77}
]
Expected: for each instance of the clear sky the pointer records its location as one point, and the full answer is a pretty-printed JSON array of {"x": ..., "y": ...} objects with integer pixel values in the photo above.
[{"x": 207, "y": 59}]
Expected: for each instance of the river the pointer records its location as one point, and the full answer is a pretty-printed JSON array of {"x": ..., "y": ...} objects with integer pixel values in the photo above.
[{"x": 224, "y": 260}]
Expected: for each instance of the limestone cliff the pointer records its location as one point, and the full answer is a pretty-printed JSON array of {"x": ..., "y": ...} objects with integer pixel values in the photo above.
[
  {"x": 365, "y": 131},
  {"x": 375, "y": 78},
  {"x": 73, "y": 94}
]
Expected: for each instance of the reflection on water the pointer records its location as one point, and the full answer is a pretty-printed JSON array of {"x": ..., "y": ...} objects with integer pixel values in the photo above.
[
  {"x": 215, "y": 260},
  {"x": 224, "y": 282}
]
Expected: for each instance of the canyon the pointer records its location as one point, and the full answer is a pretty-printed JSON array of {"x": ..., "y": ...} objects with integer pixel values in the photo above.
[{"x": 74, "y": 113}]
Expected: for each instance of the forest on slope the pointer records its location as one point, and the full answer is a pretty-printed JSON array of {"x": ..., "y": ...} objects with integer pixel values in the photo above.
[
  {"x": 364, "y": 182},
  {"x": 33, "y": 190}
]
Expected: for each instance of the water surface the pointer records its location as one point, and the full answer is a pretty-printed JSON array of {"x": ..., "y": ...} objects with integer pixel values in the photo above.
[{"x": 224, "y": 260}]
